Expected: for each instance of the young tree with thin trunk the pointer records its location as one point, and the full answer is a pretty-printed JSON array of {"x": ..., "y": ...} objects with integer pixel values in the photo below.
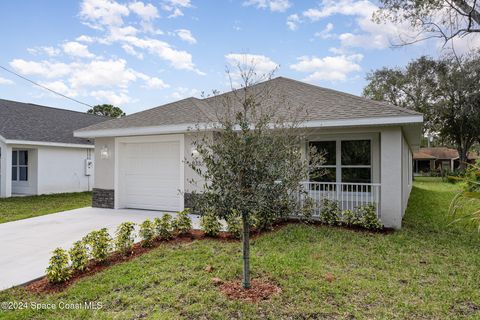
[{"x": 252, "y": 165}]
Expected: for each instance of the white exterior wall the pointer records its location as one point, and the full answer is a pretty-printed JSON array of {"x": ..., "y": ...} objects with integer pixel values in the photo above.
[
  {"x": 105, "y": 168},
  {"x": 62, "y": 169},
  {"x": 5, "y": 170},
  {"x": 407, "y": 175},
  {"x": 391, "y": 176}
]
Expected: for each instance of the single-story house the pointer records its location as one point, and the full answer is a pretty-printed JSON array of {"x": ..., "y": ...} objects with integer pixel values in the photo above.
[
  {"x": 439, "y": 159},
  {"x": 368, "y": 144},
  {"x": 38, "y": 152}
]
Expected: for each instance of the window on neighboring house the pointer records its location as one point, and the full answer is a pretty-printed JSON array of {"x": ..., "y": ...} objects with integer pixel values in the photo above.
[
  {"x": 345, "y": 161},
  {"x": 19, "y": 165}
]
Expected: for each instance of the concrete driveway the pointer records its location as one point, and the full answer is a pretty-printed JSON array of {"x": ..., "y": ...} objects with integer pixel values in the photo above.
[{"x": 26, "y": 245}]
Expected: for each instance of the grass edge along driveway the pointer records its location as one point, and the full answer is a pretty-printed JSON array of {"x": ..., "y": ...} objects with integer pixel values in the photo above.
[{"x": 17, "y": 208}]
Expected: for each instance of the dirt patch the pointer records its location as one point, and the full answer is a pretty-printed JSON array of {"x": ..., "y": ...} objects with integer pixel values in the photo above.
[{"x": 261, "y": 289}]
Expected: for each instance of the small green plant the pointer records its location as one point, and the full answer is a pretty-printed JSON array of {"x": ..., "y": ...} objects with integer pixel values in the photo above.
[
  {"x": 163, "y": 227},
  {"x": 125, "y": 237},
  {"x": 210, "y": 225},
  {"x": 183, "y": 222},
  {"x": 234, "y": 225},
  {"x": 100, "y": 243},
  {"x": 330, "y": 212},
  {"x": 79, "y": 256},
  {"x": 307, "y": 209},
  {"x": 147, "y": 232},
  {"x": 368, "y": 216},
  {"x": 350, "y": 218},
  {"x": 58, "y": 269}
]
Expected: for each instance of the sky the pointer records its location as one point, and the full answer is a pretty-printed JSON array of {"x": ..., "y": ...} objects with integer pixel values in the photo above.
[{"x": 142, "y": 54}]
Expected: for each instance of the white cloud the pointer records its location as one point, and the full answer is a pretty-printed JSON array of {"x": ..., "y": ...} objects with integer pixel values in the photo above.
[
  {"x": 103, "y": 12},
  {"x": 110, "y": 97},
  {"x": 326, "y": 33},
  {"x": 371, "y": 34},
  {"x": 49, "y": 51},
  {"x": 182, "y": 93},
  {"x": 5, "y": 81},
  {"x": 272, "y": 5},
  {"x": 60, "y": 87},
  {"x": 186, "y": 35},
  {"x": 261, "y": 63},
  {"x": 330, "y": 68},
  {"x": 77, "y": 49},
  {"x": 131, "y": 51},
  {"x": 156, "y": 83},
  {"x": 175, "y": 7},
  {"x": 292, "y": 21},
  {"x": 103, "y": 73},
  {"x": 84, "y": 38},
  {"x": 179, "y": 59},
  {"x": 44, "y": 68},
  {"x": 146, "y": 12}
]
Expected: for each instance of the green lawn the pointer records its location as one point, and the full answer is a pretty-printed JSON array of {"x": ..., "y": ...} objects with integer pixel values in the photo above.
[
  {"x": 17, "y": 208},
  {"x": 426, "y": 270}
]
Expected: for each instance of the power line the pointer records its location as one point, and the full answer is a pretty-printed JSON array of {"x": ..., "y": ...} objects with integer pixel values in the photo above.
[{"x": 46, "y": 88}]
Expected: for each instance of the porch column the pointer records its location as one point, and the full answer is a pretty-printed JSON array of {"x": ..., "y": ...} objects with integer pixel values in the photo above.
[
  {"x": 391, "y": 177},
  {"x": 5, "y": 171}
]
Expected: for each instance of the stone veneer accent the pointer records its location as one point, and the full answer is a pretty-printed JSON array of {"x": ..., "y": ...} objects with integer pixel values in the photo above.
[{"x": 103, "y": 198}]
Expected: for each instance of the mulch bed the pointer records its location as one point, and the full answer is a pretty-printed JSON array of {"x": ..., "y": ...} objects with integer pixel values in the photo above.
[
  {"x": 261, "y": 289},
  {"x": 42, "y": 285}
]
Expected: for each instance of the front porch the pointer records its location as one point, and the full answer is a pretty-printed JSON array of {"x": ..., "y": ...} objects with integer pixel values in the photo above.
[{"x": 349, "y": 196}]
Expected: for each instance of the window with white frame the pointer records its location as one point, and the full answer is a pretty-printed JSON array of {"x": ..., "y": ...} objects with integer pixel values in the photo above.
[
  {"x": 19, "y": 165},
  {"x": 345, "y": 161}
]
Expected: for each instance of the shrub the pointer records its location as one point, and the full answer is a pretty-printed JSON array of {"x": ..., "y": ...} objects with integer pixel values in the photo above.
[
  {"x": 79, "y": 256},
  {"x": 100, "y": 243},
  {"x": 350, "y": 218},
  {"x": 125, "y": 237},
  {"x": 307, "y": 209},
  {"x": 368, "y": 216},
  {"x": 58, "y": 269},
  {"x": 210, "y": 225},
  {"x": 163, "y": 227},
  {"x": 147, "y": 232},
  {"x": 330, "y": 212},
  {"x": 183, "y": 222},
  {"x": 234, "y": 225}
]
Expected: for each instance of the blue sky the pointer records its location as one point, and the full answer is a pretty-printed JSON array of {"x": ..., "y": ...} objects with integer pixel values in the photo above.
[{"x": 143, "y": 54}]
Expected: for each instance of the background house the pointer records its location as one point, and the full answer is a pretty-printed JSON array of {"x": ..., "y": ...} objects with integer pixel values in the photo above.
[
  {"x": 369, "y": 145},
  {"x": 38, "y": 152},
  {"x": 438, "y": 160}
]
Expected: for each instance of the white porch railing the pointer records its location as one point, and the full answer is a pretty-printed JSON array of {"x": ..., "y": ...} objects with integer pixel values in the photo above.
[{"x": 348, "y": 195}]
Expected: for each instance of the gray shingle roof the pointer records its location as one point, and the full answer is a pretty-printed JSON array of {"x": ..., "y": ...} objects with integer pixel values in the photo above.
[
  {"x": 31, "y": 122},
  {"x": 283, "y": 93}
]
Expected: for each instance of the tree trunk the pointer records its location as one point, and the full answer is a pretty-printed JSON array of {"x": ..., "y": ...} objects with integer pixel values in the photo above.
[
  {"x": 246, "y": 251},
  {"x": 462, "y": 158}
]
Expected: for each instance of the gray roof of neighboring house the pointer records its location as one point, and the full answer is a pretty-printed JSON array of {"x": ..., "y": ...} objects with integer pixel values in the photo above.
[
  {"x": 318, "y": 104},
  {"x": 32, "y": 122}
]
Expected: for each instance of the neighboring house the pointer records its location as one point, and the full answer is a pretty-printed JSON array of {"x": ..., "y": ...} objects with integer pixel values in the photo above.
[
  {"x": 438, "y": 159},
  {"x": 38, "y": 152},
  {"x": 369, "y": 145}
]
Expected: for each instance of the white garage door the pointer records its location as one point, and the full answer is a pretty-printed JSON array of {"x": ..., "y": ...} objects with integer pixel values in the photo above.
[{"x": 149, "y": 175}]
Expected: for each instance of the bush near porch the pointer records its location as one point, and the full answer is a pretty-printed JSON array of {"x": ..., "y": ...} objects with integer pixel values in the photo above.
[
  {"x": 17, "y": 208},
  {"x": 426, "y": 270}
]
